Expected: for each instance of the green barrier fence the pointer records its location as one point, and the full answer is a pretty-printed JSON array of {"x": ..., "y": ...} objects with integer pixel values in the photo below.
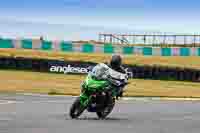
[
  {"x": 198, "y": 51},
  {"x": 166, "y": 51},
  {"x": 88, "y": 48},
  {"x": 27, "y": 44},
  {"x": 6, "y": 43},
  {"x": 128, "y": 50},
  {"x": 66, "y": 46},
  {"x": 184, "y": 52},
  {"x": 147, "y": 51},
  {"x": 108, "y": 48},
  {"x": 46, "y": 45}
]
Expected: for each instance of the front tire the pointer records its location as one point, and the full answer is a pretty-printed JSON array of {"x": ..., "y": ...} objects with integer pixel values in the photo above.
[{"x": 76, "y": 109}]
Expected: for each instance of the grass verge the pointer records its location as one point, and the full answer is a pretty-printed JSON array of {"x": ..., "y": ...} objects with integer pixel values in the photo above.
[{"x": 49, "y": 83}]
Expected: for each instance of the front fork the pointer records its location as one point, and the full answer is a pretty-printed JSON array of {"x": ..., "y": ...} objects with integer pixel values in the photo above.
[{"x": 85, "y": 99}]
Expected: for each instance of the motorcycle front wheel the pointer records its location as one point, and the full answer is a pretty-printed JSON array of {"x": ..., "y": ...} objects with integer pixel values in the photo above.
[{"x": 76, "y": 109}]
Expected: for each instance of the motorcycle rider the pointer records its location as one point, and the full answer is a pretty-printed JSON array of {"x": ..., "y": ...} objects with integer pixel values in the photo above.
[
  {"x": 100, "y": 73},
  {"x": 116, "y": 64}
]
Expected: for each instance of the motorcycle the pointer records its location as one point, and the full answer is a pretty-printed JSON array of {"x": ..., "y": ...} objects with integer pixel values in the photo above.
[{"x": 102, "y": 94}]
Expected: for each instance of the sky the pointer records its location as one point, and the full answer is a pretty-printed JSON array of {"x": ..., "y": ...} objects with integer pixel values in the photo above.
[{"x": 84, "y": 19}]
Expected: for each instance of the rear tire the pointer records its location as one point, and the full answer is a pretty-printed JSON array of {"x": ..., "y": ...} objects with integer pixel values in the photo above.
[
  {"x": 76, "y": 110},
  {"x": 107, "y": 110}
]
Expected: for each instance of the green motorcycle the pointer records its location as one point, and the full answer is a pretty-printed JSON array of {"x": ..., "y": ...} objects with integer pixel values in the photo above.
[{"x": 98, "y": 95}]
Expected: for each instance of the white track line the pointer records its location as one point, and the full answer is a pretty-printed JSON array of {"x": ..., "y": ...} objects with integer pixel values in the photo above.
[
  {"x": 3, "y": 102},
  {"x": 44, "y": 95},
  {"x": 124, "y": 98}
]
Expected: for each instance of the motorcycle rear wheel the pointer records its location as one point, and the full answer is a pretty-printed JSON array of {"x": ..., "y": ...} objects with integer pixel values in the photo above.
[{"x": 107, "y": 110}]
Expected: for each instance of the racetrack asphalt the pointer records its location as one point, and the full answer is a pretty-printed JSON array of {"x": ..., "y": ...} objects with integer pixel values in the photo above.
[{"x": 49, "y": 114}]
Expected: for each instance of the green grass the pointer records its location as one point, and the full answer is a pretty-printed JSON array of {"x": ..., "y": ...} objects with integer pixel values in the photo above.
[{"x": 50, "y": 83}]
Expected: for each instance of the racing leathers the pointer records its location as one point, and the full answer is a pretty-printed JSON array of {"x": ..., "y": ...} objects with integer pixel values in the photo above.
[{"x": 117, "y": 78}]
